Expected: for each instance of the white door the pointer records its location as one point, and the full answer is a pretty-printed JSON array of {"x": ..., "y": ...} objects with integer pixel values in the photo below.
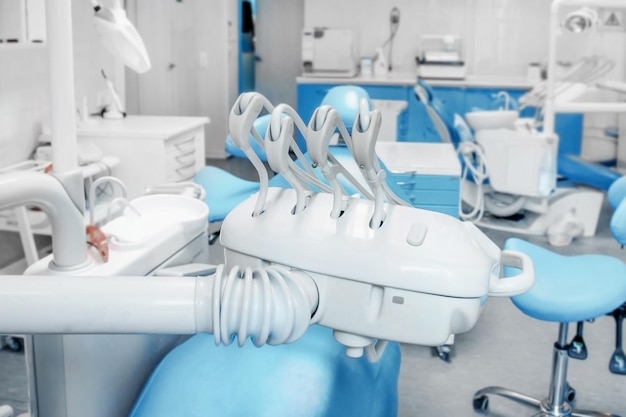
[
  {"x": 278, "y": 32},
  {"x": 190, "y": 44}
]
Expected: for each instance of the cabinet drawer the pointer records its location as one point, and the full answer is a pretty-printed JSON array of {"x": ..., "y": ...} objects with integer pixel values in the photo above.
[
  {"x": 432, "y": 197},
  {"x": 180, "y": 157},
  {"x": 181, "y": 145},
  {"x": 416, "y": 181}
]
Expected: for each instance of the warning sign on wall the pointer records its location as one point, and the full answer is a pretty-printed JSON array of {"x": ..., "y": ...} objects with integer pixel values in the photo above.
[{"x": 612, "y": 20}]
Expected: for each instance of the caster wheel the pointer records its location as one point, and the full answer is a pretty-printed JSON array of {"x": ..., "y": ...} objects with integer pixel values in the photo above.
[
  {"x": 570, "y": 394},
  {"x": 481, "y": 404},
  {"x": 442, "y": 352},
  {"x": 13, "y": 344}
]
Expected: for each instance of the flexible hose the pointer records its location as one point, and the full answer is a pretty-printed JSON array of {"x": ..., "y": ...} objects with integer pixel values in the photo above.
[
  {"x": 271, "y": 305},
  {"x": 501, "y": 208},
  {"x": 474, "y": 163}
]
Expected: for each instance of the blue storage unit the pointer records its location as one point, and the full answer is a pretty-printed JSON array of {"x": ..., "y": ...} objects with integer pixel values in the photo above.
[
  {"x": 427, "y": 174},
  {"x": 414, "y": 125}
]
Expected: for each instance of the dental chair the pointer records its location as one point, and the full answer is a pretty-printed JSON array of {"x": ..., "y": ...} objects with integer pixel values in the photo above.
[
  {"x": 351, "y": 370},
  {"x": 493, "y": 159},
  {"x": 570, "y": 289},
  {"x": 312, "y": 377}
]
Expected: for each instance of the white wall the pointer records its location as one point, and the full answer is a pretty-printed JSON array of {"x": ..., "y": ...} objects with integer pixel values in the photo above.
[
  {"x": 24, "y": 85},
  {"x": 193, "y": 47},
  {"x": 23, "y": 101},
  {"x": 500, "y": 36}
]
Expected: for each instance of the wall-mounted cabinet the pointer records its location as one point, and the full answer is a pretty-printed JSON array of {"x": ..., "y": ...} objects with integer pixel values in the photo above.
[{"x": 22, "y": 22}]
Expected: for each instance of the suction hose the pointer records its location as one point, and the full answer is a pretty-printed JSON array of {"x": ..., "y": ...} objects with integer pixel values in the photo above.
[
  {"x": 501, "y": 208},
  {"x": 270, "y": 304}
]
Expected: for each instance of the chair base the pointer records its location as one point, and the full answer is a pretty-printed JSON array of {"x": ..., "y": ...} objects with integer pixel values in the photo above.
[{"x": 481, "y": 404}]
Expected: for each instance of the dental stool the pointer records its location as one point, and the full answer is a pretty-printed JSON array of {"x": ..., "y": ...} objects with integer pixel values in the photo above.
[
  {"x": 567, "y": 289},
  {"x": 311, "y": 377}
]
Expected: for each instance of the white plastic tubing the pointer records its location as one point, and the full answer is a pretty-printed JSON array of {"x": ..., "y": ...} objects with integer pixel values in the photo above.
[
  {"x": 67, "y": 222},
  {"x": 61, "y": 76},
  {"x": 270, "y": 305}
]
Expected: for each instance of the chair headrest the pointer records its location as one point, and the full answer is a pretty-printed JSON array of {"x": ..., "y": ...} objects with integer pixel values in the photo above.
[
  {"x": 617, "y": 192},
  {"x": 345, "y": 99},
  {"x": 618, "y": 223}
]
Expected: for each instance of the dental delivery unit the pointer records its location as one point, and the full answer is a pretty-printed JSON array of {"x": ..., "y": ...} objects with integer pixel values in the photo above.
[{"x": 368, "y": 268}]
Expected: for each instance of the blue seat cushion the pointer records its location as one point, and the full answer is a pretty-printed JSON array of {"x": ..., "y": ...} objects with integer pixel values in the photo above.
[
  {"x": 311, "y": 377},
  {"x": 570, "y": 288},
  {"x": 618, "y": 223},
  {"x": 617, "y": 192},
  {"x": 224, "y": 191}
]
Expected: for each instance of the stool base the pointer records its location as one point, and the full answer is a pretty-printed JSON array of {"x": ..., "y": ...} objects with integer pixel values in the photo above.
[
  {"x": 481, "y": 403},
  {"x": 560, "y": 394}
]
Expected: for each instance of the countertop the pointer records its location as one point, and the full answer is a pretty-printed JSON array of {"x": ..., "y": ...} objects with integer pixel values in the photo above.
[
  {"x": 419, "y": 158},
  {"x": 139, "y": 127},
  {"x": 408, "y": 79}
]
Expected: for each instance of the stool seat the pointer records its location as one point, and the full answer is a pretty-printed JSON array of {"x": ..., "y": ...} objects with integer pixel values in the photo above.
[
  {"x": 224, "y": 191},
  {"x": 570, "y": 288}
]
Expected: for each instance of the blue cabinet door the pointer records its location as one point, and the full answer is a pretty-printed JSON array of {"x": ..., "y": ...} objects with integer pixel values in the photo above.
[{"x": 414, "y": 124}]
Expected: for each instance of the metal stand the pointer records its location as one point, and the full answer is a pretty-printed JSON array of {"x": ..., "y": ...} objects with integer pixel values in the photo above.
[{"x": 560, "y": 394}]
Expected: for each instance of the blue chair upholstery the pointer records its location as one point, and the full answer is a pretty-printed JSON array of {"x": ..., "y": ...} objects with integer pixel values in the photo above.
[
  {"x": 570, "y": 288},
  {"x": 569, "y": 166},
  {"x": 617, "y": 192},
  {"x": 223, "y": 191},
  {"x": 586, "y": 173},
  {"x": 311, "y": 377},
  {"x": 345, "y": 99}
]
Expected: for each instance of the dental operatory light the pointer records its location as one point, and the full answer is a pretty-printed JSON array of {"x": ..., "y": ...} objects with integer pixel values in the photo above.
[
  {"x": 120, "y": 37},
  {"x": 581, "y": 20}
]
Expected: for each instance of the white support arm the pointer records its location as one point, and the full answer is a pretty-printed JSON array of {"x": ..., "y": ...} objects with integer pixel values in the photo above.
[
  {"x": 271, "y": 305},
  {"x": 67, "y": 221}
]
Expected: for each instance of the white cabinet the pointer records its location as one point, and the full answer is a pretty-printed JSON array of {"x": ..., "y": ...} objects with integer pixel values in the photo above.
[
  {"x": 22, "y": 22},
  {"x": 152, "y": 150}
]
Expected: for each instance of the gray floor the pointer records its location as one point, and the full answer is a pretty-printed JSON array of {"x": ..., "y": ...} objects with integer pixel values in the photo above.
[{"x": 505, "y": 348}]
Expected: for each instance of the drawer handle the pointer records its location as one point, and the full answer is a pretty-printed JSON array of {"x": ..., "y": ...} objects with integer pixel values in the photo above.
[
  {"x": 186, "y": 172},
  {"x": 186, "y": 166},
  {"x": 182, "y": 156},
  {"x": 181, "y": 145}
]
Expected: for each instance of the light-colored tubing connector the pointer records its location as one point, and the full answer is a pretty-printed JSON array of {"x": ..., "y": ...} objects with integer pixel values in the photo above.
[
  {"x": 270, "y": 305},
  {"x": 68, "y": 223}
]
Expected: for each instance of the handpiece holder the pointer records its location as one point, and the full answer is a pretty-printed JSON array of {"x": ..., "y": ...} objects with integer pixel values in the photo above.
[{"x": 436, "y": 274}]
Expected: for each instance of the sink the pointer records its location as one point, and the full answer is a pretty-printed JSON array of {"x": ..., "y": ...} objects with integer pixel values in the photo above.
[{"x": 496, "y": 119}]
